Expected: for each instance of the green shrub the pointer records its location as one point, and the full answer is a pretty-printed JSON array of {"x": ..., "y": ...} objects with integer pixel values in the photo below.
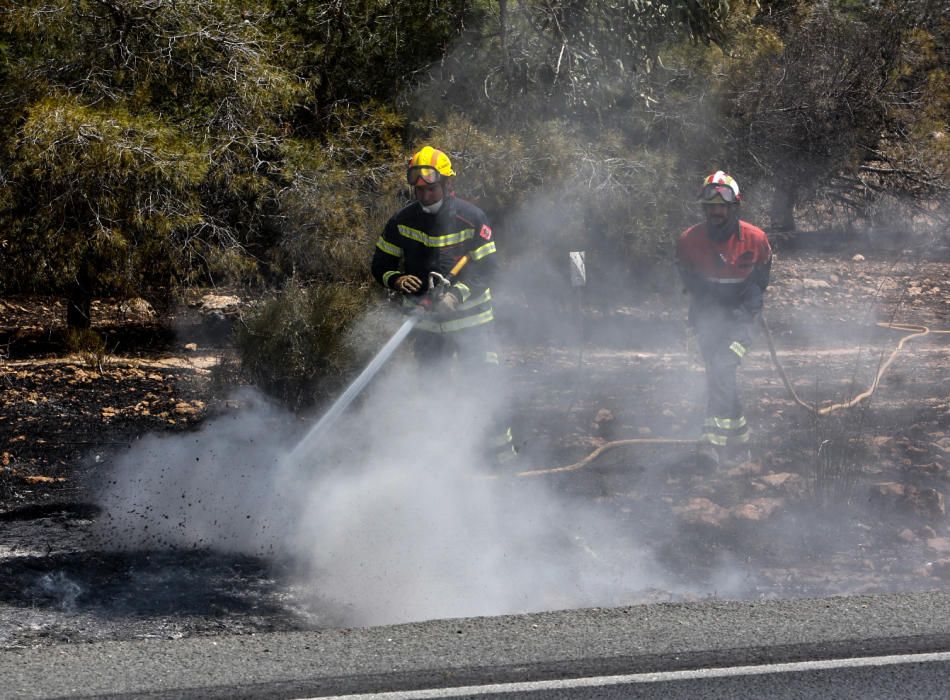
[
  {"x": 302, "y": 345},
  {"x": 89, "y": 345},
  {"x": 342, "y": 194},
  {"x": 557, "y": 189}
]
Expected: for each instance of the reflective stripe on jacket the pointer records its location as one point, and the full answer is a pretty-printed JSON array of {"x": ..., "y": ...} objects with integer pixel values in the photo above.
[
  {"x": 417, "y": 243},
  {"x": 732, "y": 273}
]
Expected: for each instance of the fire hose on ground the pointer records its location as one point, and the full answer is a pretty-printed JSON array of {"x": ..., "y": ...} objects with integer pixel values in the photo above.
[{"x": 914, "y": 331}]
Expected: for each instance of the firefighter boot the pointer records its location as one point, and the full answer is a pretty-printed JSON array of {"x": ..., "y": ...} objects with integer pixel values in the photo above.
[
  {"x": 735, "y": 455},
  {"x": 503, "y": 452},
  {"x": 506, "y": 457},
  {"x": 707, "y": 456}
]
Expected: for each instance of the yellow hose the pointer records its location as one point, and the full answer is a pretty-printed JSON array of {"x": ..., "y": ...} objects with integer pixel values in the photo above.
[
  {"x": 603, "y": 448},
  {"x": 915, "y": 332}
]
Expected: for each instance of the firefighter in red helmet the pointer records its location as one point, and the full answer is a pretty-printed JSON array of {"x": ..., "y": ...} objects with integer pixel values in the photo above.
[
  {"x": 430, "y": 235},
  {"x": 725, "y": 264}
]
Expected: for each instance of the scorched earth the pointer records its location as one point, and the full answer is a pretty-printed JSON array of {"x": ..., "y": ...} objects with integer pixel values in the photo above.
[{"x": 852, "y": 502}]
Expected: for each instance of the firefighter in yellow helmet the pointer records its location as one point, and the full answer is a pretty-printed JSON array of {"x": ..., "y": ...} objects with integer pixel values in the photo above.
[
  {"x": 429, "y": 235},
  {"x": 725, "y": 264}
]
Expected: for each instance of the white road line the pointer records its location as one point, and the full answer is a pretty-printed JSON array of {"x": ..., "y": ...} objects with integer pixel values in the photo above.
[{"x": 660, "y": 677}]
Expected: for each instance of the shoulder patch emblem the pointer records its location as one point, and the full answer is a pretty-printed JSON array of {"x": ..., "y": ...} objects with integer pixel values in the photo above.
[{"x": 485, "y": 232}]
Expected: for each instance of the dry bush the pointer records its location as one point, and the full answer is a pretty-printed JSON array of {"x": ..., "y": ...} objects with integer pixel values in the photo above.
[
  {"x": 810, "y": 105},
  {"x": 582, "y": 61},
  {"x": 840, "y": 452}
]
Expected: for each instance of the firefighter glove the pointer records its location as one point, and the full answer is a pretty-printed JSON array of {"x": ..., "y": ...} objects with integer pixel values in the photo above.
[
  {"x": 408, "y": 284},
  {"x": 447, "y": 303}
]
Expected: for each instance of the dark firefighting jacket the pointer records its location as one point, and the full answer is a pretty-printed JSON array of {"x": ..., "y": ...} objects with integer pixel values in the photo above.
[
  {"x": 726, "y": 278},
  {"x": 416, "y": 243}
]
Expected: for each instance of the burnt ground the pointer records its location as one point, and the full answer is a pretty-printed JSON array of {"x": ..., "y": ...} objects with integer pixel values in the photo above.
[{"x": 845, "y": 504}]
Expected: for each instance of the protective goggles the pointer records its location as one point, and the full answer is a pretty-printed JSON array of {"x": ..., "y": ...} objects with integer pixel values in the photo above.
[
  {"x": 717, "y": 194},
  {"x": 422, "y": 175}
]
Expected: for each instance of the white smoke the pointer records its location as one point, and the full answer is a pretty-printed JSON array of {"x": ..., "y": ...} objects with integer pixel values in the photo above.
[{"x": 392, "y": 517}]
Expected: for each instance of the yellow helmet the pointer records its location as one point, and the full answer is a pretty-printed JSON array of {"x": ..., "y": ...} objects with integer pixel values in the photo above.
[
  {"x": 428, "y": 166},
  {"x": 720, "y": 188}
]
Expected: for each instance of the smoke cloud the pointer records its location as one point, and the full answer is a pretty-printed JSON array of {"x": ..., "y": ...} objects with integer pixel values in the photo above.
[
  {"x": 390, "y": 516},
  {"x": 393, "y": 514}
]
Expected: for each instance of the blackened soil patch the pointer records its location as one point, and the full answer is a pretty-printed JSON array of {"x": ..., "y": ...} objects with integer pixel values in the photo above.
[
  {"x": 847, "y": 505},
  {"x": 34, "y": 511}
]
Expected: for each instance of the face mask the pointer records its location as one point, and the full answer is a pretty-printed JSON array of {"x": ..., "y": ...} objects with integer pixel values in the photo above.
[{"x": 433, "y": 208}]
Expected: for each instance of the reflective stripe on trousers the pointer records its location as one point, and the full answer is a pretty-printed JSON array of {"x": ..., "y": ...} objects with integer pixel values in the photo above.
[
  {"x": 723, "y": 344},
  {"x": 724, "y": 432}
]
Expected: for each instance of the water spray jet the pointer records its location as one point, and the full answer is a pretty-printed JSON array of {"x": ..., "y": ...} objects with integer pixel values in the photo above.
[{"x": 438, "y": 287}]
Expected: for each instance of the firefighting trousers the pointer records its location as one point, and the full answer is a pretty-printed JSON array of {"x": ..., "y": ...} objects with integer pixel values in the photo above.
[
  {"x": 723, "y": 343},
  {"x": 471, "y": 358}
]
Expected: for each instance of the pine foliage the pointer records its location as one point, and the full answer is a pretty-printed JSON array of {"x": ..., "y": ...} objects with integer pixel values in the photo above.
[{"x": 149, "y": 144}]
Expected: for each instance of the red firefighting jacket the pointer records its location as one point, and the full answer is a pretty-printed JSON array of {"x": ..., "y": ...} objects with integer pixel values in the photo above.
[
  {"x": 416, "y": 243},
  {"x": 729, "y": 275}
]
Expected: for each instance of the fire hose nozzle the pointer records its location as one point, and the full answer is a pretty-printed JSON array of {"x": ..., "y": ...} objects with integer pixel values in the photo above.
[
  {"x": 439, "y": 284},
  {"x": 436, "y": 280}
]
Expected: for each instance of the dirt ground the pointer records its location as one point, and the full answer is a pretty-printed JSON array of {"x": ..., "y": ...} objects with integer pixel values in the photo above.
[{"x": 853, "y": 502}]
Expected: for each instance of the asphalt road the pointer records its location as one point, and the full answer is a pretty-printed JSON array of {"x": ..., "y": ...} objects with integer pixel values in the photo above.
[
  {"x": 875, "y": 678},
  {"x": 548, "y": 647}
]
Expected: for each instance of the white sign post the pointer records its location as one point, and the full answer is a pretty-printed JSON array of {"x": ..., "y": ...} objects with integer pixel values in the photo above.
[{"x": 578, "y": 269}]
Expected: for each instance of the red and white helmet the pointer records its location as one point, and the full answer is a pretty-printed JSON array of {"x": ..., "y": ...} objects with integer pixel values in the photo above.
[{"x": 720, "y": 188}]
